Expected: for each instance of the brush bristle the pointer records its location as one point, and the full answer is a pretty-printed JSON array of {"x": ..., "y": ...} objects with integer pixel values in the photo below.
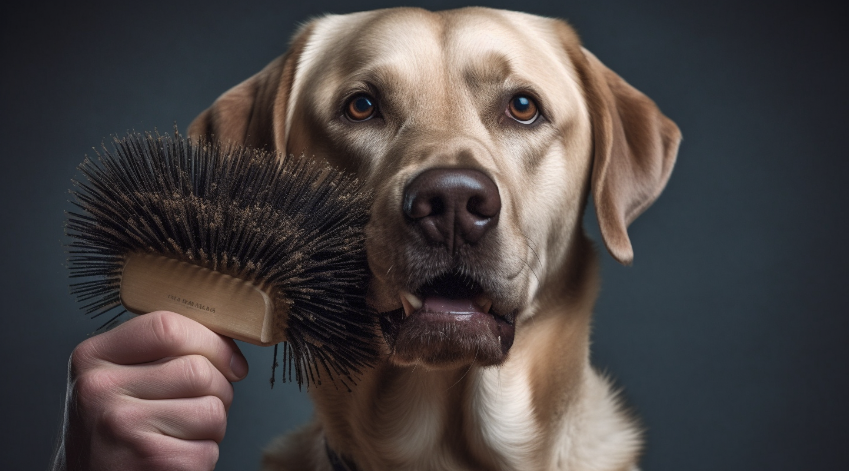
[{"x": 283, "y": 222}]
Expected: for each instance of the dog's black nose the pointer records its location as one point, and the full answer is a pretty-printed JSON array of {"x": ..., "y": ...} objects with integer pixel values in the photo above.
[{"x": 452, "y": 206}]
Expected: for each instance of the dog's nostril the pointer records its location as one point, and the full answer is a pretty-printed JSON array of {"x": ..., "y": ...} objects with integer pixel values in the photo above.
[
  {"x": 417, "y": 208},
  {"x": 451, "y": 206},
  {"x": 436, "y": 206},
  {"x": 483, "y": 207}
]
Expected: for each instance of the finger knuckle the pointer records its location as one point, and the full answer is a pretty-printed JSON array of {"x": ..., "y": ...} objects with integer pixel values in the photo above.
[
  {"x": 194, "y": 455},
  {"x": 211, "y": 410},
  {"x": 84, "y": 355},
  {"x": 204, "y": 455},
  {"x": 226, "y": 395},
  {"x": 93, "y": 386},
  {"x": 198, "y": 372},
  {"x": 150, "y": 452},
  {"x": 121, "y": 423},
  {"x": 166, "y": 328},
  {"x": 209, "y": 455}
]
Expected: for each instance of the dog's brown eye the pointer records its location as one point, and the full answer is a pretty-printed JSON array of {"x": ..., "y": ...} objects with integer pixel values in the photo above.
[
  {"x": 523, "y": 109},
  {"x": 360, "y": 108}
]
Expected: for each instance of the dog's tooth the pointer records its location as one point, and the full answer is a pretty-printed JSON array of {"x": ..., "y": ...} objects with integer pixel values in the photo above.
[
  {"x": 407, "y": 308},
  {"x": 483, "y": 302},
  {"x": 410, "y": 302},
  {"x": 413, "y": 299}
]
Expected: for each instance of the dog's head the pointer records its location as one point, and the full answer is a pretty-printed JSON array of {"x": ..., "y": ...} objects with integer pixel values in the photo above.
[{"x": 481, "y": 132}]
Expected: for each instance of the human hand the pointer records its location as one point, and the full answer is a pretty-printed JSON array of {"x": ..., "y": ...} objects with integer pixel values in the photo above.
[{"x": 151, "y": 394}]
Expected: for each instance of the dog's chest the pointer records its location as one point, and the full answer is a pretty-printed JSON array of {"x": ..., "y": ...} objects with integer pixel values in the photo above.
[
  {"x": 501, "y": 418},
  {"x": 483, "y": 419},
  {"x": 414, "y": 424}
]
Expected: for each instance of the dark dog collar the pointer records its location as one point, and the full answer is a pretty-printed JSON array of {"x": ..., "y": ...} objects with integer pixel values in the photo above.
[{"x": 337, "y": 461}]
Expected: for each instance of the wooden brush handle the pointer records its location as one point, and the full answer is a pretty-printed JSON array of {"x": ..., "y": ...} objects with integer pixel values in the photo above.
[{"x": 224, "y": 304}]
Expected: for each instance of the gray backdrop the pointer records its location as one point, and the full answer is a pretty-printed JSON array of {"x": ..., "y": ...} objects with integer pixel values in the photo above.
[{"x": 728, "y": 334}]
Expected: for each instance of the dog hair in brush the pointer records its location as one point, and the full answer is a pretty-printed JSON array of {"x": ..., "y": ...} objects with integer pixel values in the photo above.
[{"x": 256, "y": 246}]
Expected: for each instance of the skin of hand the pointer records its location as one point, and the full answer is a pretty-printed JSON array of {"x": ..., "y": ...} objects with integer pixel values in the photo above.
[{"x": 151, "y": 394}]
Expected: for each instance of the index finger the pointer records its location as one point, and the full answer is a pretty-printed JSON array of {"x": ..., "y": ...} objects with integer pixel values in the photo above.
[{"x": 163, "y": 334}]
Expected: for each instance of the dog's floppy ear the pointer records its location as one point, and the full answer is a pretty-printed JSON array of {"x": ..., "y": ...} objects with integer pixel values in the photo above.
[
  {"x": 635, "y": 147},
  {"x": 253, "y": 113}
]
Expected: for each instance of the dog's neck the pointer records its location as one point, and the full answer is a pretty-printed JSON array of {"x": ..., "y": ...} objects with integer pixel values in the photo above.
[
  {"x": 473, "y": 418},
  {"x": 524, "y": 414}
]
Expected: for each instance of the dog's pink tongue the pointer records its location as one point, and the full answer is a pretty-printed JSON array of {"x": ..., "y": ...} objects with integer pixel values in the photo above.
[{"x": 450, "y": 306}]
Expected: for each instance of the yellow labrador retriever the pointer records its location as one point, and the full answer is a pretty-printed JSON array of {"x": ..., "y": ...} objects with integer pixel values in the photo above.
[{"x": 482, "y": 133}]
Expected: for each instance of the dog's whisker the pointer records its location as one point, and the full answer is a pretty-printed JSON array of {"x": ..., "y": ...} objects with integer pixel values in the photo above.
[
  {"x": 530, "y": 246},
  {"x": 531, "y": 269},
  {"x": 469, "y": 368},
  {"x": 539, "y": 259}
]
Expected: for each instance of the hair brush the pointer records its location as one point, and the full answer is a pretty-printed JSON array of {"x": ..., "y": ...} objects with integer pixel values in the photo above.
[{"x": 254, "y": 245}]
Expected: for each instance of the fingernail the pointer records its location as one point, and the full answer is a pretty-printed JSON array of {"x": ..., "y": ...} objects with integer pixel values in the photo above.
[{"x": 239, "y": 366}]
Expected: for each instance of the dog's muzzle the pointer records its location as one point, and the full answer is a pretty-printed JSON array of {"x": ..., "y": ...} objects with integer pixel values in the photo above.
[{"x": 448, "y": 317}]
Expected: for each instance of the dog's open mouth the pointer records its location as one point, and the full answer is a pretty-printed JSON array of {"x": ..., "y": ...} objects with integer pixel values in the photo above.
[{"x": 449, "y": 321}]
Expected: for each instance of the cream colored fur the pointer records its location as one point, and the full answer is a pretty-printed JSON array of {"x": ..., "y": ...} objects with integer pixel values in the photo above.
[{"x": 443, "y": 80}]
